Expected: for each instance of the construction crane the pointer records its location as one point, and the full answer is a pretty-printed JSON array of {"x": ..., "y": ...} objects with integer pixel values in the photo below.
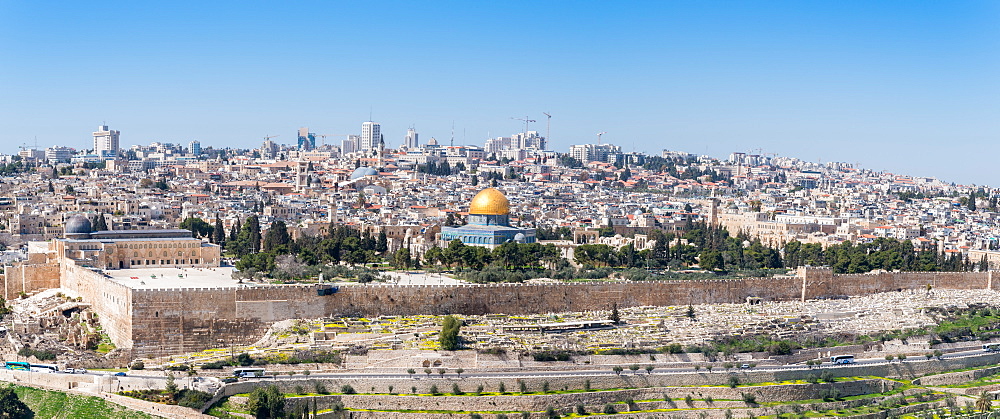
[
  {"x": 526, "y": 121},
  {"x": 599, "y": 136},
  {"x": 323, "y": 137},
  {"x": 268, "y": 137},
  {"x": 548, "y": 124}
]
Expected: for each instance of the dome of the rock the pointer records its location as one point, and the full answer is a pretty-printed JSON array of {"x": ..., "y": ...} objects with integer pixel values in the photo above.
[{"x": 490, "y": 201}]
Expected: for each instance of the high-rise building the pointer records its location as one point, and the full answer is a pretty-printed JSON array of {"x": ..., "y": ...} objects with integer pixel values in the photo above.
[
  {"x": 106, "y": 142},
  {"x": 371, "y": 136},
  {"x": 350, "y": 144},
  {"x": 194, "y": 147},
  {"x": 269, "y": 150},
  {"x": 307, "y": 140},
  {"x": 412, "y": 140}
]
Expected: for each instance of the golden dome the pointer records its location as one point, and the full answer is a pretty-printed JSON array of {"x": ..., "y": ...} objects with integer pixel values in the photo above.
[{"x": 489, "y": 201}]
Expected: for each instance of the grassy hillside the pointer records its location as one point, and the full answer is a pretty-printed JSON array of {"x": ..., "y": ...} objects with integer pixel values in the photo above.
[{"x": 54, "y": 404}]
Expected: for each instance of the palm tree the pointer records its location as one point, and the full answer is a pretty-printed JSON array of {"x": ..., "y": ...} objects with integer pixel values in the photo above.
[{"x": 984, "y": 403}]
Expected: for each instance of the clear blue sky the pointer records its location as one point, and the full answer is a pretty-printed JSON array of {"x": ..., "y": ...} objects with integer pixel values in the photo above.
[{"x": 911, "y": 87}]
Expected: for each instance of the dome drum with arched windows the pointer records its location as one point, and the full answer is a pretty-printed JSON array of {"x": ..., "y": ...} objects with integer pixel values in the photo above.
[{"x": 488, "y": 223}]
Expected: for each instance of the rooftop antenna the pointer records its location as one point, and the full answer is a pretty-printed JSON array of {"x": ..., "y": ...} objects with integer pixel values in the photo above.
[
  {"x": 453, "y": 133},
  {"x": 369, "y": 113}
]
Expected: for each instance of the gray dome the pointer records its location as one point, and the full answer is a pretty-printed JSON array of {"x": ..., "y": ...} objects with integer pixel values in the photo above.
[
  {"x": 362, "y": 172},
  {"x": 78, "y": 224},
  {"x": 519, "y": 237}
]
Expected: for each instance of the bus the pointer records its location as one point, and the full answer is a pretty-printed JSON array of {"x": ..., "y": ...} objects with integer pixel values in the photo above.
[
  {"x": 19, "y": 366},
  {"x": 991, "y": 347},
  {"x": 842, "y": 359},
  {"x": 44, "y": 368},
  {"x": 248, "y": 372}
]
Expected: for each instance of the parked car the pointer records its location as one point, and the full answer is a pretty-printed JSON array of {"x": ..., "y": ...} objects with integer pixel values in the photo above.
[{"x": 120, "y": 374}]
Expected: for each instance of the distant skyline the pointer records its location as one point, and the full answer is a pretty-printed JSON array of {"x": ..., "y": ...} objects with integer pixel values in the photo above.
[{"x": 906, "y": 87}]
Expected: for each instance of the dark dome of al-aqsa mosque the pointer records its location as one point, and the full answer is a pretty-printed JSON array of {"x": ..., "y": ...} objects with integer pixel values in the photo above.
[{"x": 78, "y": 226}]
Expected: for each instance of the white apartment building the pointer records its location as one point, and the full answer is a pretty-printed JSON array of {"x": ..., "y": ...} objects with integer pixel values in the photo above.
[
  {"x": 106, "y": 142},
  {"x": 58, "y": 154},
  {"x": 371, "y": 136}
]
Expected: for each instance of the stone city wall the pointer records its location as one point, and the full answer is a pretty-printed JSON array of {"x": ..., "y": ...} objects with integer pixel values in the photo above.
[
  {"x": 28, "y": 278},
  {"x": 159, "y": 321},
  {"x": 110, "y": 300}
]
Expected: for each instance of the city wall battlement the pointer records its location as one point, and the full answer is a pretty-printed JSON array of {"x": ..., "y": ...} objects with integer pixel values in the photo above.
[{"x": 159, "y": 321}]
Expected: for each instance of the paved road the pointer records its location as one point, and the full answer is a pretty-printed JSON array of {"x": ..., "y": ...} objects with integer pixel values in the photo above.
[{"x": 582, "y": 373}]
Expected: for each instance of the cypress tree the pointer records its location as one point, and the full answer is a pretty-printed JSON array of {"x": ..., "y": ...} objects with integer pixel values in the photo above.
[{"x": 219, "y": 232}]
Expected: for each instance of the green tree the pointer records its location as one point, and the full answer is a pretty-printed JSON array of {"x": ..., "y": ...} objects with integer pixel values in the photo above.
[
  {"x": 266, "y": 402},
  {"x": 711, "y": 260},
  {"x": 382, "y": 245},
  {"x": 171, "y": 386},
  {"x": 277, "y": 238},
  {"x": 449, "y": 333},
  {"x": 197, "y": 226},
  {"x": 99, "y": 223},
  {"x": 219, "y": 232},
  {"x": 11, "y": 405},
  {"x": 401, "y": 259}
]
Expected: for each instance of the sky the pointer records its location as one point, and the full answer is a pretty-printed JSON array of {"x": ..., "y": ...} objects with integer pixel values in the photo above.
[{"x": 910, "y": 87}]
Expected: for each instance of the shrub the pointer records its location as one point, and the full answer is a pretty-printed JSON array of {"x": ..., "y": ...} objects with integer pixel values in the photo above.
[
  {"x": 549, "y": 356},
  {"x": 214, "y": 365},
  {"x": 320, "y": 388},
  {"x": 689, "y": 400},
  {"x": 41, "y": 355},
  {"x": 827, "y": 376},
  {"x": 193, "y": 398},
  {"x": 298, "y": 389},
  {"x": 609, "y": 409},
  {"x": 434, "y": 390},
  {"x": 580, "y": 410},
  {"x": 748, "y": 398},
  {"x": 137, "y": 365},
  {"x": 733, "y": 381},
  {"x": 479, "y": 390},
  {"x": 455, "y": 390},
  {"x": 829, "y": 395}
]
